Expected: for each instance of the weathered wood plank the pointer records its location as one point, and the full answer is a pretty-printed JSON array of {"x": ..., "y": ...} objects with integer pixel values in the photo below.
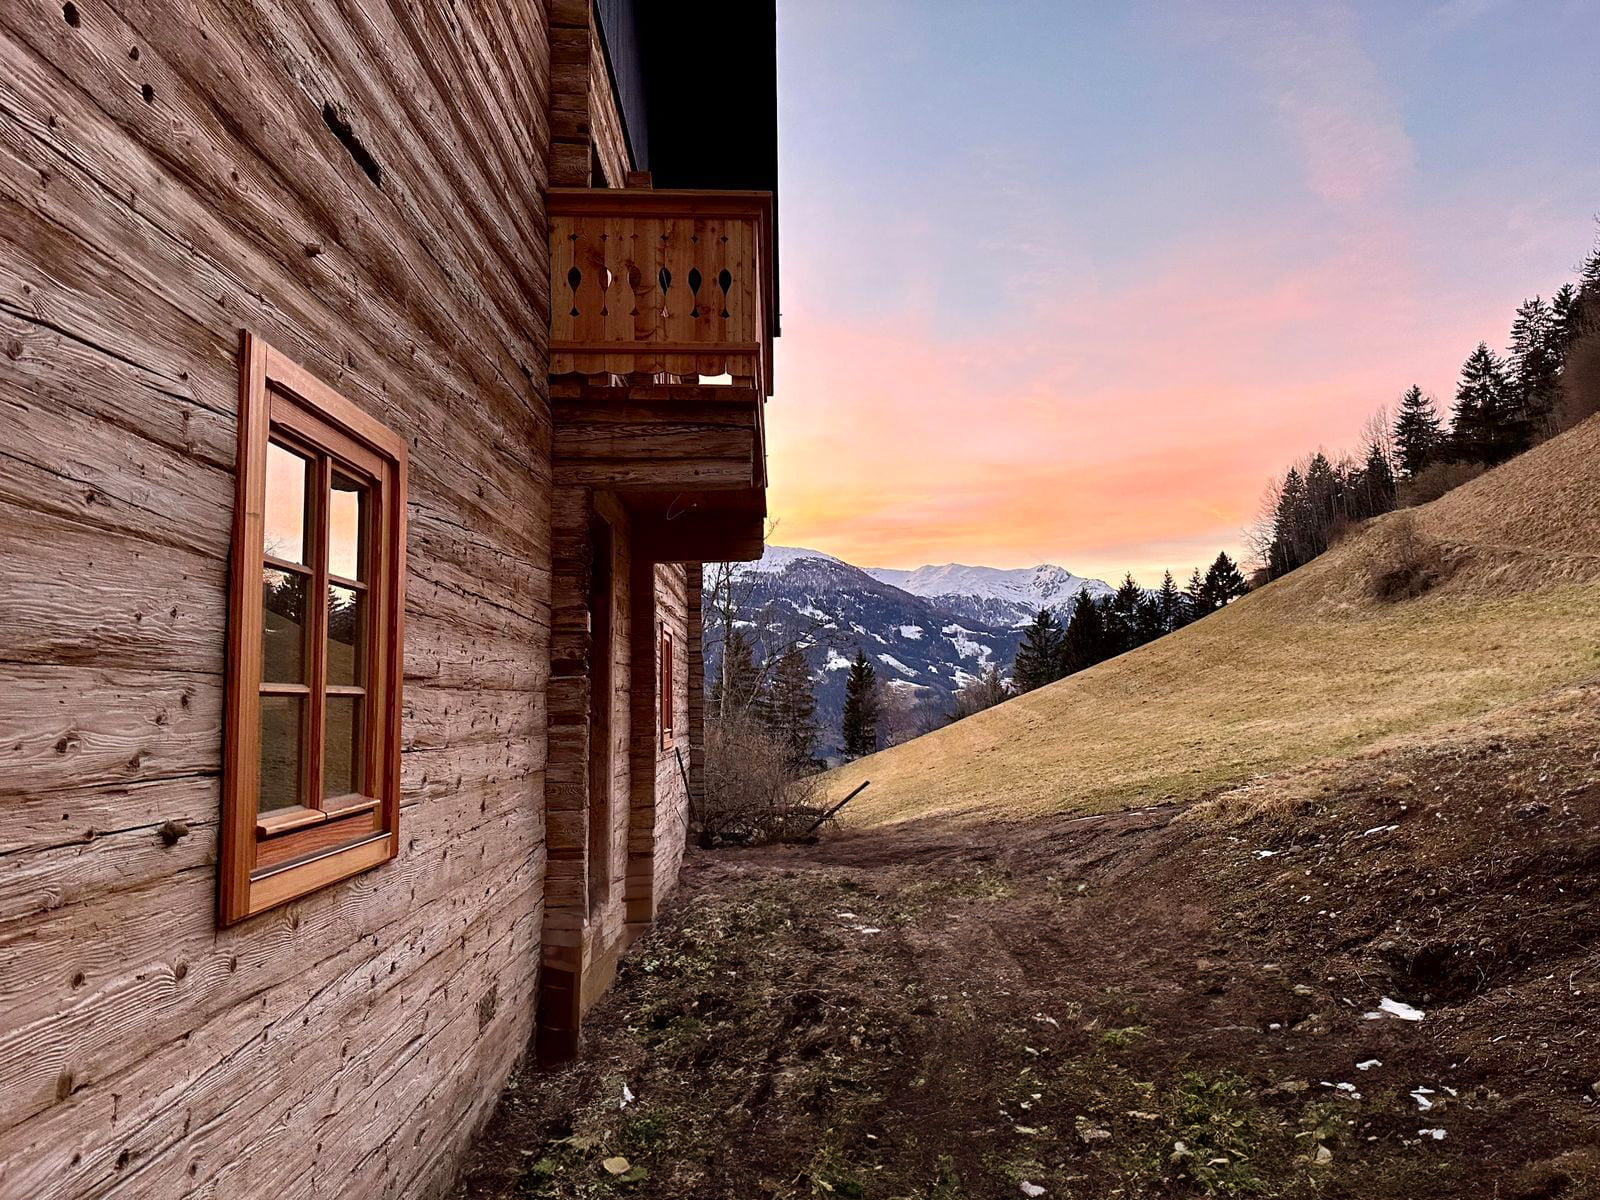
[
  {"x": 110, "y": 1001},
  {"x": 151, "y": 204},
  {"x": 214, "y": 1081}
]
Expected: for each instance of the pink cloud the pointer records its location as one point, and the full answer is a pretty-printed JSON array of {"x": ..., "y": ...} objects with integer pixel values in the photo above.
[{"x": 1096, "y": 430}]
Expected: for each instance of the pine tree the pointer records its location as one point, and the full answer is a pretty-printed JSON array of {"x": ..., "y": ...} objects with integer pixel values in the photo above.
[
  {"x": 1486, "y": 426},
  {"x": 1039, "y": 656},
  {"x": 1085, "y": 642},
  {"x": 1150, "y": 623},
  {"x": 1322, "y": 506},
  {"x": 1417, "y": 436},
  {"x": 788, "y": 706},
  {"x": 1377, "y": 483},
  {"x": 1194, "y": 598},
  {"x": 737, "y": 687},
  {"x": 1566, "y": 318},
  {"x": 1122, "y": 617},
  {"x": 1169, "y": 604},
  {"x": 1291, "y": 520},
  {"x": 1589, "y": 273},
  {"x": 860, "y": 723},
  {"x": 1586, "y": 305},
  {"x": 1535, "y": 361},
  {"x": 1223, "y": 583}
]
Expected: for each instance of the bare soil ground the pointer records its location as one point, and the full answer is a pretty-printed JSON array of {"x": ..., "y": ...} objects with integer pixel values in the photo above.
[{"x": 1156, "y": 1002}]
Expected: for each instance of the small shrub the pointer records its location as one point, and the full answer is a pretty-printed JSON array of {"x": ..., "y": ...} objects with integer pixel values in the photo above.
[
  {"x": 1404, "y": 563},
  {"x": 1580, "y": 382},
  {"x": 1434, "y": 481},
  {"x": 754, "y": 790}
]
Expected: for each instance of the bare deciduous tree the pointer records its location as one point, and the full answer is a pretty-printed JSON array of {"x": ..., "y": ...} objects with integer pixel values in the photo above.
[{"x": 985, "y": 691}]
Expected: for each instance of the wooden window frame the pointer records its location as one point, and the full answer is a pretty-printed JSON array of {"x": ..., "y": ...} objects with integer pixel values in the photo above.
[
  {"x": 268, "y": 859},
  {"x": 667, "y": 682}
]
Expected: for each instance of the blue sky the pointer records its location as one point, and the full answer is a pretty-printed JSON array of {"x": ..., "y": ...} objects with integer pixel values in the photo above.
[{"x": 1070, "y": 282}]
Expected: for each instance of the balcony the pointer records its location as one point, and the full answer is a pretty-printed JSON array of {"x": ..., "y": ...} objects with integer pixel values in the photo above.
[
  {"x": 661, "y": 283},
  {"x": 661, "y": 326}
]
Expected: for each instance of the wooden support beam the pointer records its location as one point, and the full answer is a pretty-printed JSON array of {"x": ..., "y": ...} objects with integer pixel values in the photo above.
[
  {"x": 658, "y": 438},
  {"x": 706, "y": 536}
]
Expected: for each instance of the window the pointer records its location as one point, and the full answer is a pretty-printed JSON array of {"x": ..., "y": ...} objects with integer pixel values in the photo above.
[
  {"x": 666, "y": 687},
  {"x": 312, "y": 774}
]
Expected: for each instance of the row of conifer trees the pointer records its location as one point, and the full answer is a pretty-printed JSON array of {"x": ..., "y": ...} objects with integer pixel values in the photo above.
[
  {"x": 1503, "y": 406},
  {"x": 1102, "y": 627}
]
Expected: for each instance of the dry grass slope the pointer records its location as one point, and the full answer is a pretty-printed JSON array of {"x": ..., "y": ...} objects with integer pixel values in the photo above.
[{"x": 1484, "y": 597}]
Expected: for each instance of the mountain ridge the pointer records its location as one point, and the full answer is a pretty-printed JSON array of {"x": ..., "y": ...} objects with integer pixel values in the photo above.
[
  {"x": 923, "y": 647},
  {"x": 994, "y": 594}
]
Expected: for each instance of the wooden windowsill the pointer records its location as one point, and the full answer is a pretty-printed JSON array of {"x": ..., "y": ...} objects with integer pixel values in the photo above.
[
  {"x": 344, "y": 806},
  {"x": 283, "y": 820},
  {"x": 287, "y": 820}
]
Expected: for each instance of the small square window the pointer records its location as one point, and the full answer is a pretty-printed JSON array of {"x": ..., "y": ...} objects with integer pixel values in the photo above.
[{"x": 315, "y": 648}]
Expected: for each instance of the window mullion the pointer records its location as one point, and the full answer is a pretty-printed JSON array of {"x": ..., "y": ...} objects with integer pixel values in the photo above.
[
  {"x": 375, "y": 634},
  {"x": 318, "y": 605}
]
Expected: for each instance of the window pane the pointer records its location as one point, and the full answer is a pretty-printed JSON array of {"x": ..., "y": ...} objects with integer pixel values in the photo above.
[
  {"x": 283, "y": 633},
  {"x": 347, "y": 510},
  {"x": 346, "y": 617},
  {"x": 287, "y": 473},
  {"x": 341, "y": 759},
  {"x": 280, "y": 752}
]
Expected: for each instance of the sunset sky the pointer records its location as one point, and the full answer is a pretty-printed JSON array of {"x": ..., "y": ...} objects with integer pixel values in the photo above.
[{"x": 1069, "y": 282}]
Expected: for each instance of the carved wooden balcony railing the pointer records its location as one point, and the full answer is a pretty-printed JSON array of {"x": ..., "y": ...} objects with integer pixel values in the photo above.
[{"x": 672, "y": 283}]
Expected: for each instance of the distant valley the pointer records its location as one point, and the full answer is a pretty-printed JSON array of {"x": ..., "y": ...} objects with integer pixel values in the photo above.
[{"x": 927, "y": 631}]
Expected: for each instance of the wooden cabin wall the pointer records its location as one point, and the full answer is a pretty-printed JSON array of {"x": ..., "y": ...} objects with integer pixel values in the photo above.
[
  {"x": 360, "y": 185},
  {"x": 660, "y": 792},
  {"x": 671, "y": 790},
  {"x": 589, "y": 144},
  {"x": 694, "y": 580},
  {"x": 583, "y": 921},
  {"x": 603, "y": 940}
]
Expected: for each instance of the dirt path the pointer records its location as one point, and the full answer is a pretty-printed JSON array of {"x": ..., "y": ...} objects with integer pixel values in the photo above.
[{"x": 1136, "y": 1004}]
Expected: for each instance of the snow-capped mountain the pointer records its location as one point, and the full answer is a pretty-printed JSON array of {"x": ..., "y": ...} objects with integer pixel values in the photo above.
[
  {"x": 919, "y": 648},
  {"x": 1008, "y": 598}
]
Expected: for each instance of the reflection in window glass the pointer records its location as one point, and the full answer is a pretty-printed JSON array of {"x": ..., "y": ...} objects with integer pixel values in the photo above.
[
  {"x": 283, "y": 631},
  {"x": 345, "y": 615},
  {"x": 341, "y": 757},
  {"x": 287, "y": 473},
  {"x": 346, "y": 527},
  {"x": 280, "y": 752}
]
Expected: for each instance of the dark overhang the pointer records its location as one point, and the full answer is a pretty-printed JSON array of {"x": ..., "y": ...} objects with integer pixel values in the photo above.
[{"x": 697, "y": 82}]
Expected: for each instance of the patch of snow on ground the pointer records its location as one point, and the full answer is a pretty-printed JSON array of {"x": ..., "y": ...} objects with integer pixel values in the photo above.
[
  {"x": 911, "y": 632},
  {"x": 836, "y": 661},
  {"x": 890, "y": 660},
  {"x": 961, "y": 639}
]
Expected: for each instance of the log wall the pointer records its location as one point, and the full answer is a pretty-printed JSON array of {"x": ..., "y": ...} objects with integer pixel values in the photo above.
[
  {"x": 634, "y": 835},
  {"x": 661, "y": 785},
  {"x": 360, "y": 185}
]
